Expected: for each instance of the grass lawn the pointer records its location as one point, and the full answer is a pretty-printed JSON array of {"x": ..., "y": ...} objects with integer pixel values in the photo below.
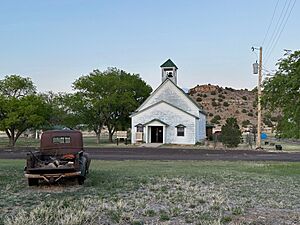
[
  {"x": 157, "y": 192},
  {"x": 88, "y": 141}
]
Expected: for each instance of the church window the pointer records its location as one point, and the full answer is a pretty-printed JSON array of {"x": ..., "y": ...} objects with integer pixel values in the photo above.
[
  {"x": 139, "y": 127},
  {"x": 180, "y": 130}
]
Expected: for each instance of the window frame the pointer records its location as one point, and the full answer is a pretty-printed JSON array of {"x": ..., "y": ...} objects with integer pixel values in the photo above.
[
  {"x": 66, "y": 140},
  {"x": 140, "y": 128},
  {"x": 180, "y": 130}
]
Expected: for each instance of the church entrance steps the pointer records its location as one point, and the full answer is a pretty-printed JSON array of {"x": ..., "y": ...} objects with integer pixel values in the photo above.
[{"x": 150, "y": 145}]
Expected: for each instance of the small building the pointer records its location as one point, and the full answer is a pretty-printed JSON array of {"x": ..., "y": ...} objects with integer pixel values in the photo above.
[{"x": 168, "y": 115}]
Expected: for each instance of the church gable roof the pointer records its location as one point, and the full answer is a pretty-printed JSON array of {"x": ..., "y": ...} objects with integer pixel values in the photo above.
[
  {"x": 180, "y": 91},
  {"x": 168, "y": 63},
  {"x": 163, "y": 102}
]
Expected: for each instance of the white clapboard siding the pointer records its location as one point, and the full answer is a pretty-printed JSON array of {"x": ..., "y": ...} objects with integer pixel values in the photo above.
[{"x": 168, "y": 106}]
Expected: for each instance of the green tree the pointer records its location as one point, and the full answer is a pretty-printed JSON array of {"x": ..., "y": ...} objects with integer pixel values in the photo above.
[
  {"x": 231, "y": 133},
  {"x": 62, "y": 113},
  {"x": 83, "y": 110},
  {"x": 282, "y": 92},
  {"x": 110, "y": 97},
  {"x": 20, "y": 107}
]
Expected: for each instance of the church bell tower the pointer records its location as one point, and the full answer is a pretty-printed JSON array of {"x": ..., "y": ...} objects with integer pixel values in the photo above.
[{"x": 169, "y": 71}]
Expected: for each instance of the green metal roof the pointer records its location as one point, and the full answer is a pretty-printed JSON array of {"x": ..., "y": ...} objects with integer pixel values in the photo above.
[{"x": 169, "y": 63}]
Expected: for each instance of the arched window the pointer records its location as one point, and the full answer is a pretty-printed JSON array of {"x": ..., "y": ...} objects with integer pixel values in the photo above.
[
  {"x": 139, "y": 127},
  {"x": 180, "y": 130}
]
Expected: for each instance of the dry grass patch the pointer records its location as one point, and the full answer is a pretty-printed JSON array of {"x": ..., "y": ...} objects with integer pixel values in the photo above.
[{"x": 152, "y": 192}]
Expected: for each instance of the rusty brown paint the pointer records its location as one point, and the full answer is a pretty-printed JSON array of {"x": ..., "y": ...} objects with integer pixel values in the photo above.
[{"x": 75, "y": 145}]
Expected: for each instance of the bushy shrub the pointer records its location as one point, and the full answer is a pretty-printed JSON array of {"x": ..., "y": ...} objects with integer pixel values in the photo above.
[
  {"x": 245, "y": 123},
  {"x": 244, "y": 97},
  {"x": 199, "y": 99},
  {"x": 244, "y": 111},
  {"x": 226, "y": 104},
  {"x": 231, "y": 134},
  {"x": 229, "y": 89},
  {"x": 215, "y": 119},
  {"x": 221, "y": 96},
  {"x": 218, "y": 117},
  {"x": 214, "y": 104}
]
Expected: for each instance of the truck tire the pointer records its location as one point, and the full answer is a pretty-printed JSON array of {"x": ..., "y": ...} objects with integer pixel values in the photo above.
[
  {"x": 80, "y": 180},
  {"x": 33, "y": 182}
]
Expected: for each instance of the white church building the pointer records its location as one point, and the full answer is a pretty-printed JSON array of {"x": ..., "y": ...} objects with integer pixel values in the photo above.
[{"x": 168, "y": 115}]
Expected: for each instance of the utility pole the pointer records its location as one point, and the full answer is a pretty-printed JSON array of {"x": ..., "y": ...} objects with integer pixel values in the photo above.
[
  {"x": 258, "y": 144},
  {"x": 257, "y": 69}
]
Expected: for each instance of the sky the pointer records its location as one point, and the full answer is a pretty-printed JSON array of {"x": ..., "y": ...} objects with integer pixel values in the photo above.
[{"x": 54, "y": 42}]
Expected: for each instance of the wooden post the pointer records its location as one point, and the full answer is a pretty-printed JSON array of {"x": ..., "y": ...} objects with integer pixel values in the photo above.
[{"x": 258, "y": 143}]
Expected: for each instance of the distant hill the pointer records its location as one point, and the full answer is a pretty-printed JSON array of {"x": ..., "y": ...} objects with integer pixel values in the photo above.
[{"x": 221, "y": 103}]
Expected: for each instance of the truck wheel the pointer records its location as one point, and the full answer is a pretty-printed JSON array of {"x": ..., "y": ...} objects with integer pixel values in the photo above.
[
  {"x": 33, "y": 182},
  {"x": 80, "y": 180}
]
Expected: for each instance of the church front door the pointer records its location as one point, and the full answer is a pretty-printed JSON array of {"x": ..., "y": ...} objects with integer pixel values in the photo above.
[{"x": 156, "y": 134}]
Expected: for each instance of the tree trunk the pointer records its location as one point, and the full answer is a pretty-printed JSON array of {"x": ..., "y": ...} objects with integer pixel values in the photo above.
[
  {"x": 111, "y": 131},
  {"x": 97, "y": 130},
  {"x": 18, "y": 135},
  {"x": 110, "y": 136},
  {"x": 11, "y": 136},
  {"x": 98, "y": 137},
  {"x": 12, "y": 142}
]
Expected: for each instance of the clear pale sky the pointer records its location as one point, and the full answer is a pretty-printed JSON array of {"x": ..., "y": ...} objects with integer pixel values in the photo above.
[{"x": 56, "y": 41}]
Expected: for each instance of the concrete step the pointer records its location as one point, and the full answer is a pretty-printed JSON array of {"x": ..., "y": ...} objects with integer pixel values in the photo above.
[{"x": 150, "y": 145}]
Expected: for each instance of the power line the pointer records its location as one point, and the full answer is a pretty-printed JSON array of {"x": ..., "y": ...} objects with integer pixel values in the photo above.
[
  {"x": 279, "y": 35},
  {"x": 276, "y": 26},
  {"x": 266, "y": 35}
]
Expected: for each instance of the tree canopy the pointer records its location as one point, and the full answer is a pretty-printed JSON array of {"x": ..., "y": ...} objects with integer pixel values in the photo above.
[
  {"x": 282, "y": 92},
  {"x": 20, "y": 107},
  {"x": 108, "y": 98}
]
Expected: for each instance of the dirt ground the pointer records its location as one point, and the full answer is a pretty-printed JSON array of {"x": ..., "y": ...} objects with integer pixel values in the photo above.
[{"x": 169, "y": 154}]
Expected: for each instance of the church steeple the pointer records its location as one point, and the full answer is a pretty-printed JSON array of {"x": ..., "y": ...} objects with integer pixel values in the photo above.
[{"x": 169, "y": 70}]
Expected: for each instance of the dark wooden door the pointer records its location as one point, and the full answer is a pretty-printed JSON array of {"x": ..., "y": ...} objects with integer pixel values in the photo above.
[{"x": 157, "y": 134}]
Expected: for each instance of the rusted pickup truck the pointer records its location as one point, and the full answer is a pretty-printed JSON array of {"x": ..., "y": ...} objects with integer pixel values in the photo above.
[{"x": 61, "y": 155}]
